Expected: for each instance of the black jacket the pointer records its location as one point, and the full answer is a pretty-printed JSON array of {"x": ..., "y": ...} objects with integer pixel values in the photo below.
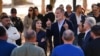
[
  {"x": 93, "y": 48},
  {"x": 17, "y": 22}
]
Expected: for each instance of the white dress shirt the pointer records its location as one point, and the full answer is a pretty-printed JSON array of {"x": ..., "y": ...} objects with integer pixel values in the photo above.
[
  {"x": 78, "y": 19},
  {"x": 60, "y": 24},
  {"x": 86, "y": 33},
  {"x": 12, "y": 33}
]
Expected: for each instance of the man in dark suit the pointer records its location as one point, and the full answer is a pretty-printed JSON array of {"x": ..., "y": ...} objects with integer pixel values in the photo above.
[
  {"x": 77, "y": 17},
  {"x": 89, "y": 22},
  {"x": 59, "y": 27},
  {"x": 48, "y": 16},
  {"x": 93, "y": 48}
]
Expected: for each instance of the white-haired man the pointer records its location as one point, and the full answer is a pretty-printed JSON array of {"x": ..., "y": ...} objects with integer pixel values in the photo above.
[{"x": 89, "y": 22}]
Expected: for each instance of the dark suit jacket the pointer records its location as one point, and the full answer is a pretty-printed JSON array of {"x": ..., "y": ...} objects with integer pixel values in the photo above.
[
  {"x": 58, "y": 35},
  {"x": 49, "y": 16},
  {"x": 93, "y": 48},
  {"x": 74, "y": 21},
  {"x": 87, "y": 39},
  {"x": 41, "y": 34}
]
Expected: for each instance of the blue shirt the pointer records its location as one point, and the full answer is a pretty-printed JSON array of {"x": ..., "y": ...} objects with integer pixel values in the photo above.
[
  {"x": 67, "y": 50},
  {"x": 6, "y": 48}
]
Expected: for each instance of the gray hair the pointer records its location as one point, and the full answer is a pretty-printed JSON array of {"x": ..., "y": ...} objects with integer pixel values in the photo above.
[
  {"x": 91, "y": 21},
  {"x": 68, "y": 35},
  {"x": 30, "y": 34},
  {"x": 61, "y": 9}
]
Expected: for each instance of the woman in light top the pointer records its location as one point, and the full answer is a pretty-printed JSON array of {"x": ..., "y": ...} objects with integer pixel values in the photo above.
[{"x": 29, "y": 19}]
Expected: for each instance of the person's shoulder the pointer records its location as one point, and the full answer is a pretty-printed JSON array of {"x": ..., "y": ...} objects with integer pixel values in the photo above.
[
  {"x": 10, "y": 45},
  {"x": 77, "y": 48},
  {"x": 58, "y": 47},
  {"x": 39, "y": 48}
]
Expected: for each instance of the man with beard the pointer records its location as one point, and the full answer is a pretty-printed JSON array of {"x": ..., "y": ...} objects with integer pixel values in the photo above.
[{"x": 12, "y": 32}]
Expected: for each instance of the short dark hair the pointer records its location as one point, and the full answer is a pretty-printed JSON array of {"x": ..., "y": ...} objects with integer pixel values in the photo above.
[
  {"x": 93, "y": 5},
  {"x": 61, "y": 9},
  {"x": 13, "y": 10},
  {"x": 4, "y": 17},
  {"x": 2, "y": 31},
  {"x": 77, "y": 6},
  {"x": 98, "y": 4},
  {"x": 96, "y": 30},
  {"x": 30, "y": 34},
  {"x": 49, "y": 7},
  {"x": 36, "y": 8}
]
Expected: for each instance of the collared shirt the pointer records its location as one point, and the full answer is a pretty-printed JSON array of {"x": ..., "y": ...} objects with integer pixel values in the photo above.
[
  {"x": 78, "y": 18},
  {"x": 86, "y": 33},
  {"x": 60, "y": 24}
]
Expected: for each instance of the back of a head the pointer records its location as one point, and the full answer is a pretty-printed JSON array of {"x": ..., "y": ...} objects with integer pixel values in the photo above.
[
  {"x": 49, "y": 7},
  {"x": 2, "y": 31},
  {"x": 68, "y": 35},
  {"x": 91, "y": 21},
  {"x": 96, "y": 30},
  {"x": 13, "y": 10},
  {"x": 36, "y": 8},
  {"x": 30, "y": 34},
  {"x": 61, "y": 9}
]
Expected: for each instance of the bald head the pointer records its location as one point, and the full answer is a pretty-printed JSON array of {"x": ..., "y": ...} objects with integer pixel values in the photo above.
[
  {"x": 30, "y": 34},
  {"x": 68, "y": 35}
]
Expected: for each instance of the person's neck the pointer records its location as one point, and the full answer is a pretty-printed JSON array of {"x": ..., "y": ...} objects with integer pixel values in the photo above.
[
  {"x": 61, "y": 19},
  {"x": 78, "y": 14},
  {"x": 88, "y": 28},
  {"x": 69, "y": 11},
  {"x": 96, "y": 14},
  {"x": 37, "y": 30},
  {"x": 69, "y": 42}
]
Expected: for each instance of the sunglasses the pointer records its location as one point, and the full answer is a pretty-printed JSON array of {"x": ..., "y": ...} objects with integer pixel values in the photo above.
[{"x": 30, "y": 10}]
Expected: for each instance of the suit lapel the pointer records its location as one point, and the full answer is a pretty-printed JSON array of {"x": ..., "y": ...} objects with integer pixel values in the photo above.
[{"x": 56, "y": 27}]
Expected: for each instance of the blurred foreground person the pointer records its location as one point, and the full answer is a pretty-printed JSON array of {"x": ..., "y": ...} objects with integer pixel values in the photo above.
[
  {"x": 93, "y": 48},
  {"x": 67, "y": 49},
  {"x": 5, "y": 47},
  {"x": 29, "y": 48}
]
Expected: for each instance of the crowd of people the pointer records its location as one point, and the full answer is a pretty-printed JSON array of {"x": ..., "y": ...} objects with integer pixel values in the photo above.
[{"x": 65, "y": 33}]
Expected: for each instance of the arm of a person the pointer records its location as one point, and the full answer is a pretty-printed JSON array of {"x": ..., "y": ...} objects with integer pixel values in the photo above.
[{"x": 14, "y": 34}]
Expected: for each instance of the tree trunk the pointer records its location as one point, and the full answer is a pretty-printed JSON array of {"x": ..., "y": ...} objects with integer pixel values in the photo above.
[
  {"x": 74, "y": 4},
  {"x": 19, "y": 2},
  {"x": 85, "y": 4},
  {"x": 43, "y": 7},
  {"x": 52, "y": 2},
  {"x": 0, "y": 6}
]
